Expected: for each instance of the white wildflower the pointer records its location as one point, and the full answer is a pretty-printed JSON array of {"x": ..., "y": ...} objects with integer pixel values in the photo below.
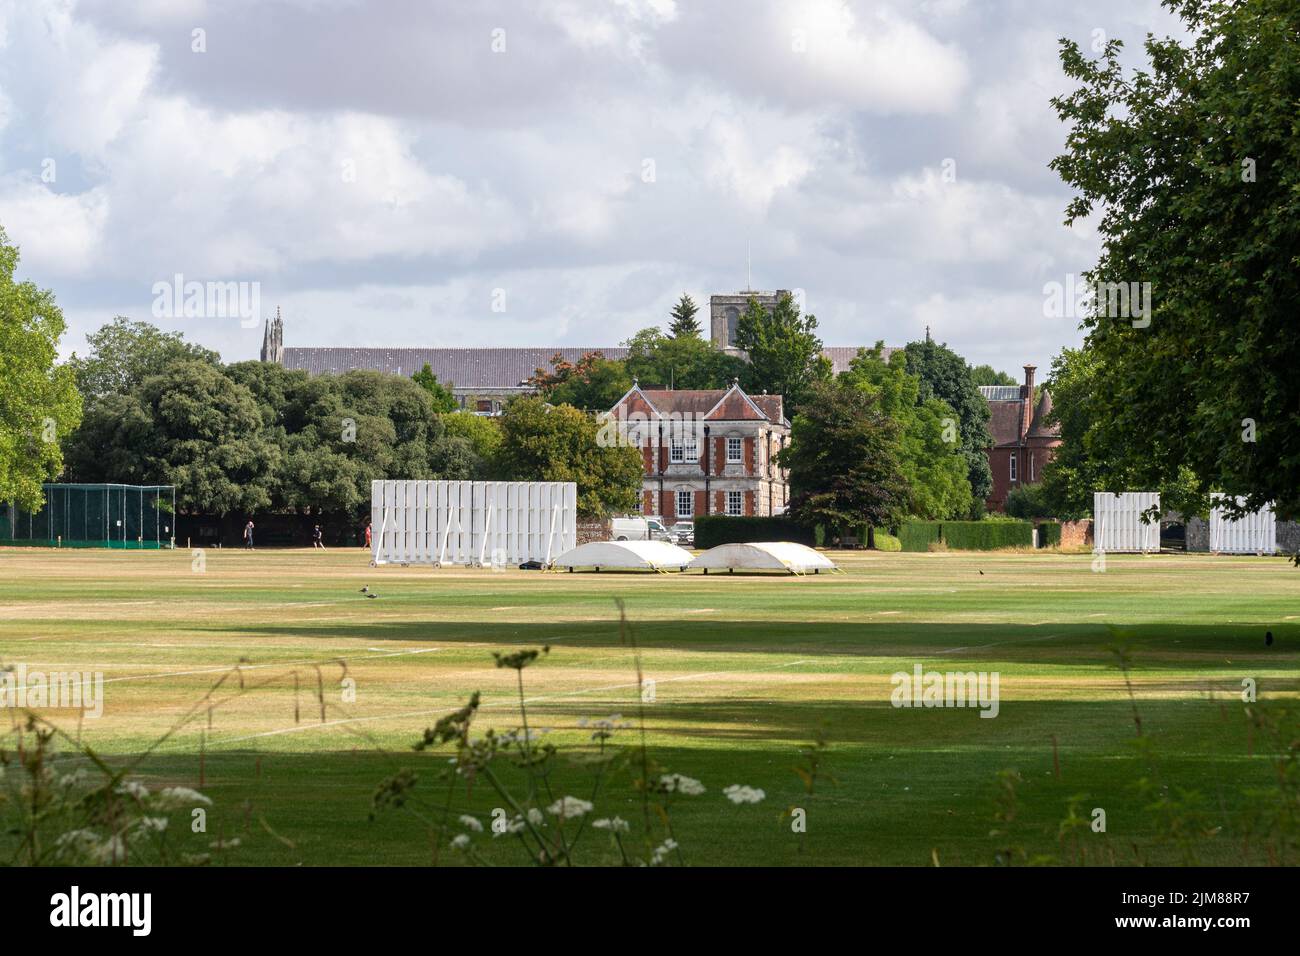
[
  {"x": 536, "y": 817},
  {"x": 133, "y": 788},
  {"x": 569, "y": 807},
  {"x": 676, "y": 783},
  {"x": 616, "y": 825},
  {"x": 112, "y": 850},
  {"x": 662, "y": 850},
  {"x": 460, "y": 842},
  {"x": 152, "y": 824},
  {"x": 471, "y": 823},
  {"x": 172, "y": 797},
  {"x": 739, "y": 794}
]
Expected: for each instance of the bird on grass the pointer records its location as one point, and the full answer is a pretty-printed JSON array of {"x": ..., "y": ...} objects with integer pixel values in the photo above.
[
  {"x": 372, "y": 595},
  {"x": 366, "y": 589},
  {"x": 981, "y": 574},
  {"x": 1268, "y": 638}
]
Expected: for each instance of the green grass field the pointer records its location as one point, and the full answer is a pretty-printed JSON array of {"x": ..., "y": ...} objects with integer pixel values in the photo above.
[{"x": 747, "y": 669}]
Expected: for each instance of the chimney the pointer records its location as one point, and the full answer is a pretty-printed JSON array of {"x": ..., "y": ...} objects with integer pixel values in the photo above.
[{"x": 1027, "y": 401}]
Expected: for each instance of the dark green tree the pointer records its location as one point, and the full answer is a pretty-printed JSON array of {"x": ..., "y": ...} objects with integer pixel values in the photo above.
[
  {"x": 684, "y": 324},
  {"x": 930, "y": 457},
  {"x": 1192, "y": 166},
  {"x": 945, "y": 375},
  {"x": 544, "y": 442},
  {"x": 123, "y": 353},
  {"x": 685, "y": 362},
  {"x": 783, "y": 349},
  {"x": 441, "y": 395},
  {"x": 988, "y": 375},
  {"x": 843, "y": 459}
]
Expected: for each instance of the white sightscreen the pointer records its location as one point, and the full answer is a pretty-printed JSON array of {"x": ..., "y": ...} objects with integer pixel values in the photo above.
[
  {"x": 1255, "y": 533},
  {"x": 1117, "y": 521},
  {"x": 472, "y": 522}
]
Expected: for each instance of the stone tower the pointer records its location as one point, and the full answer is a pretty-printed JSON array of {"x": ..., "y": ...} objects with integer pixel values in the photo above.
[
  {"x": 273, "y": 340},
  {"x": 725, "y": 312}
]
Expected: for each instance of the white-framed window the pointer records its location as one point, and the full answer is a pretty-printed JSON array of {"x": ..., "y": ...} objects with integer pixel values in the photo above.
[
  {"x": 1013, "y": 466},
  {"x": 676, "y": 451},
  {"x": 691, "y": 449},
  {"x": 735, "y": 503},
  {"x": 685, "y": 504},
  {"x": 734, "y": 451}
]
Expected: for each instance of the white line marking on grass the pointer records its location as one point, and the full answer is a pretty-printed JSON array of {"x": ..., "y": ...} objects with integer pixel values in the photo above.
[{"x": 980, "y": 647}]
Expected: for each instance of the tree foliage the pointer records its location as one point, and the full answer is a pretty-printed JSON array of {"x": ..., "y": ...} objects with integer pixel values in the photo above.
[
  {"x": 124, "y": 353},
  {"x": 784, "y": 350},
  {"x": 441, "y": 395},
  {"x": 843, "y": 459},
  {"x": 679, "y": 362},
  {"x": 544, "y": 442},
  {"x": 929, "y": 454},
  {"x": 1192, "y": 167},
  {"x": 988, "y": 375},
  {"x": 684, "y": 325},
  {"x": 39, "y": 403},
  {"x": 594, "y": 383},
  {"x": 945, "y": 375}
]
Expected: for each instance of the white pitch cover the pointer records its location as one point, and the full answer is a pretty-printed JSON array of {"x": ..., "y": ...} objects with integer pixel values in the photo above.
[
  {"x": 472, "y": 522},
  {"x": 1117, "y": 521}
]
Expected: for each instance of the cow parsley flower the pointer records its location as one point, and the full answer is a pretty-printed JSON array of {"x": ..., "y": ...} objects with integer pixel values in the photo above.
[
  {"x": 662, "y": 850},
  {"x": 615, "y": 825},
  {"x": 173, "y": 797},
  {"x": 569, "y": 807},
  {"x": 460, "y": 842},
  {"x": 740, "y": 794},
  {"x": 471, "y": 823},
  {"x": 686, "y": 786}
]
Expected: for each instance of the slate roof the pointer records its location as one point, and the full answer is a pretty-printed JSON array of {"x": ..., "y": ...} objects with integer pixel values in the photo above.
[
  {"x": 463, "y": 368},
  {"x": 1001, "y": 393}
]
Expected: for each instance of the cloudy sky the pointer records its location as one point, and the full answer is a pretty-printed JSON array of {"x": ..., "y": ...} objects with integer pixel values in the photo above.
[{"x": 554, "y": 172}]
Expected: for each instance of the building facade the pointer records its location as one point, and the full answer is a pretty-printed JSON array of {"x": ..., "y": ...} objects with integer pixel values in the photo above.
[
  {"x": 1023, "y": 441},
  {"x": 706, "y": 451}
]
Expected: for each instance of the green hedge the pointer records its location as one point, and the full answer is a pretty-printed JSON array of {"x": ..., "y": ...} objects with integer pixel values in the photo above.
[
  {"x": 1049, "y": 534},
  {"x": 967, "y": 535},
  {"x": 887, "y": 542},
  {"x": 713, "y": 530},
  {"x": 917, "y": 535},
  {"x": 987, "y": 535}
]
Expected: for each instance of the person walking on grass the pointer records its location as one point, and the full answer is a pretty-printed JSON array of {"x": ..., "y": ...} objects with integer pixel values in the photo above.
[
  {"x": 367, "y": 535},
  {"x": 248, "y": 535},
  {"x": 316, "y": 541}
]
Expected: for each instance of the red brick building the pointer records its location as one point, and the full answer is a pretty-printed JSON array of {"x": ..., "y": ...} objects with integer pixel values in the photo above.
[
  {"x": 707, "y": 451},
  {"x": 1023, "y": 442}
]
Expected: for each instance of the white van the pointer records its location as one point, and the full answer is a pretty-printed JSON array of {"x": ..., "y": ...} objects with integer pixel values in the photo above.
[{"x": 637, "y": 528}]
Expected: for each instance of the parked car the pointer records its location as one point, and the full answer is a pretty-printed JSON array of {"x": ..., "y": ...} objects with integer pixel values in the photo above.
[
  {"x": 637, "y": 528},
  {"x": 683, "y": 533}
]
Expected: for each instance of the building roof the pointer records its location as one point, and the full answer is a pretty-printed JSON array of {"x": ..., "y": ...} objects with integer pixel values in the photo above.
[
  {"x": 1039, "y": 427},
  {"x": 1001, "y": 393},
  {"x": 464, "y": 368},
  {"x": 718, "y": 404},
  {"x": 477, "y": 367},
  {"x": 1004, "y": 422}
]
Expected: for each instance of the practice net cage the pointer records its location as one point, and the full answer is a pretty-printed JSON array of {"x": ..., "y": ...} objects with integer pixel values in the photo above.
[{"x": 94, "y": 516}]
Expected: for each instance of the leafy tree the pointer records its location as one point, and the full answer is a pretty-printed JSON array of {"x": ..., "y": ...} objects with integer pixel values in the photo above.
[
  {"x": 684, "y": 324},
  {"x": 482, "y": 432},
  {"x": 930, "y": 457},
  {"x": 783, "y": 349},
  {"x": 443, "y": 399},
  {"x": 987, "y": 375},
  {"x": 190, "y": 426},
  {"x": 1028, "y": 501},
  {"x": 680, "y": 362},
  {"x": 1193, "y": 166},
  {"x": 594, "y": 383},
  {"x": 945, "y": 375},
  {"x": 39, "y": 403},
  {"x": 543, "y": 442},
  {"x": 843, "y": 459},
  {"x": 124, "y": 353}
]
